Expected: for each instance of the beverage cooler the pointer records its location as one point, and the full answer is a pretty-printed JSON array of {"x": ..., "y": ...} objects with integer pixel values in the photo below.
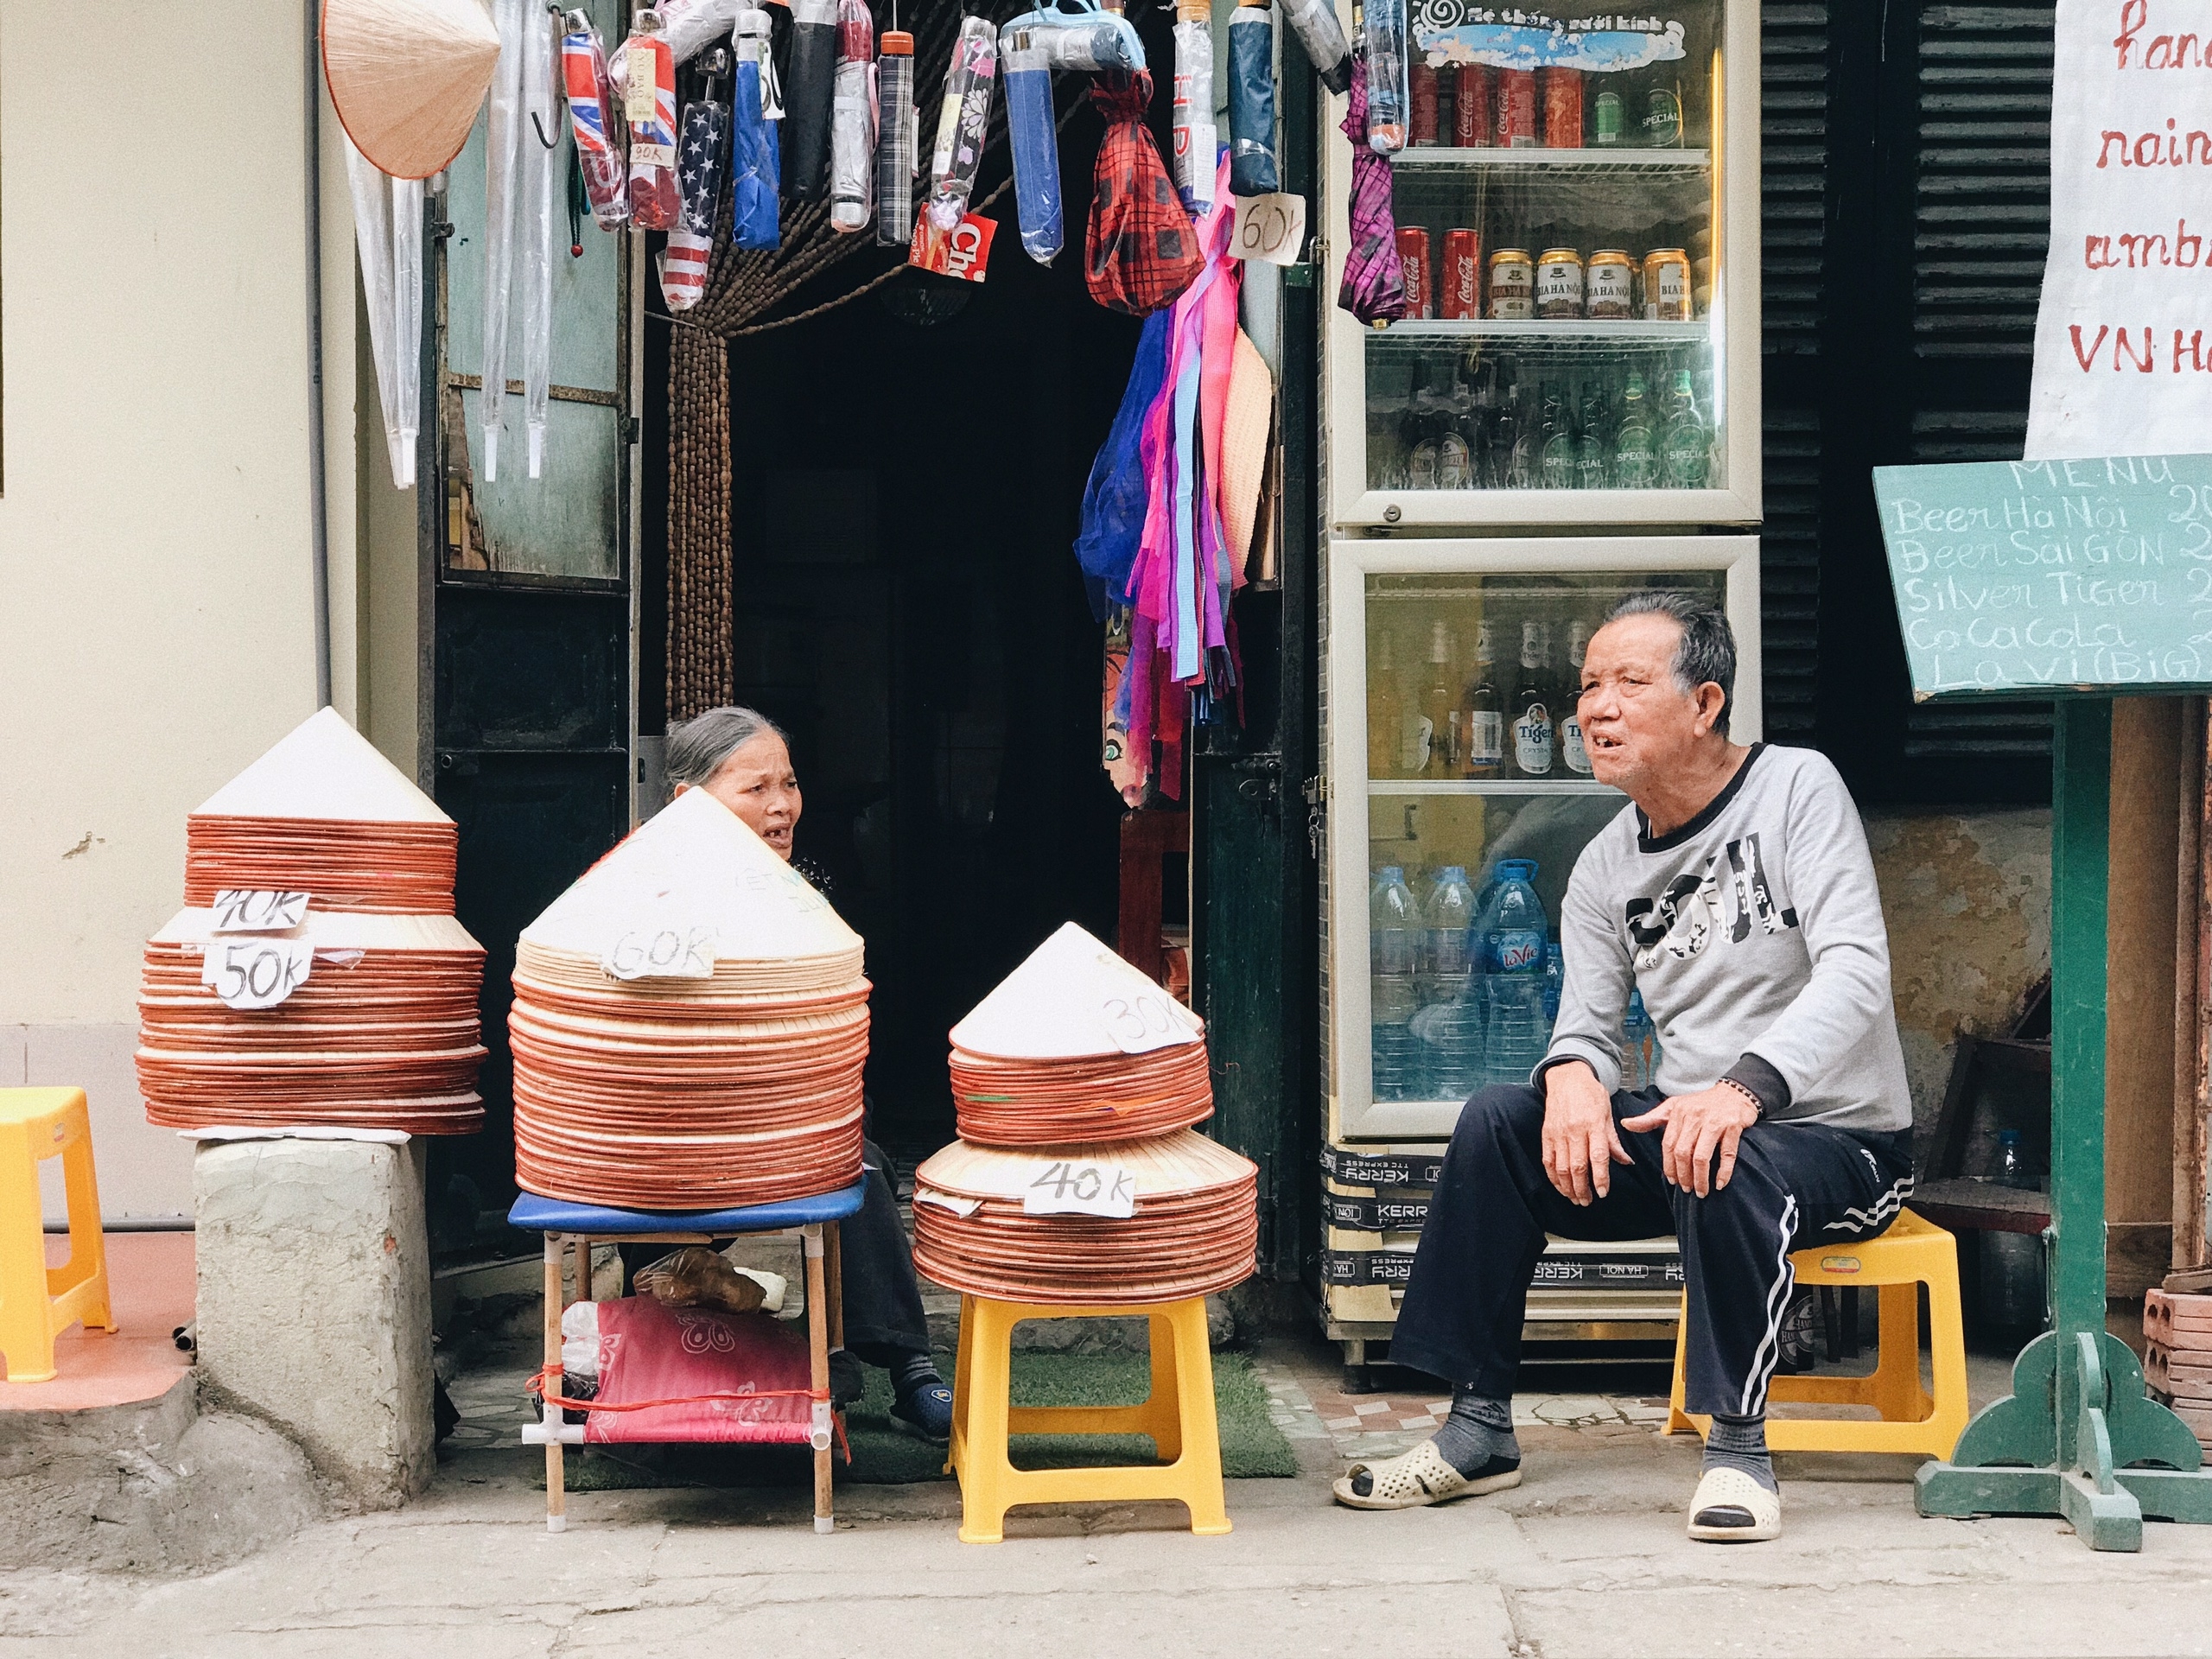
[{"x": 1569, "y": 413}]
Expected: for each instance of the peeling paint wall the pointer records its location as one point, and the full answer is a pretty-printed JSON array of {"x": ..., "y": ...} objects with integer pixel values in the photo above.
[{"x": 1967, "y": 896}]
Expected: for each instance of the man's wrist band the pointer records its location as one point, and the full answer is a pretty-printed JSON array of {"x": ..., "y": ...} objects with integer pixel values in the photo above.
[{"x": 1746, "y": 1091}]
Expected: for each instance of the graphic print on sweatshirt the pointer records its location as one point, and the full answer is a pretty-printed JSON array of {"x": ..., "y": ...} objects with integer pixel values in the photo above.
[{"x": 1682, "y": 921}]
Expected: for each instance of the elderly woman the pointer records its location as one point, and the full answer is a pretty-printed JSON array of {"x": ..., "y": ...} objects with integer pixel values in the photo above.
[{"x": 740, "y": 758}]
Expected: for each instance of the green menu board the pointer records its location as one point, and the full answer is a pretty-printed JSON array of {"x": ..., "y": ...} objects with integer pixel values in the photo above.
[{"x": 2052, "y": 576}]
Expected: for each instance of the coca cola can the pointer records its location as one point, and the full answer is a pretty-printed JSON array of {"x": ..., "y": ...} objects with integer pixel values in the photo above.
[
  {"x": 1514, "y": 106},
  {"x": 1420, "y": 288},
  {"x": 1461, "y": 286},
  {"x": 1425, "y": 123},
  {"x": 1563, "y": 109},
  {"x": 1471, "y": 120}
]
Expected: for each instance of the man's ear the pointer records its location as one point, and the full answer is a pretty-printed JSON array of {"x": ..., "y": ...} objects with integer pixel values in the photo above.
[
  {"x": 678, "y": 789},
  {"x": 1711, "y": 700}
]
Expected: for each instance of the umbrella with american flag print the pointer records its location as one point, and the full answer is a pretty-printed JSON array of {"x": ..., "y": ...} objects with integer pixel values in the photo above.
[{"x": 702, "y": 155}]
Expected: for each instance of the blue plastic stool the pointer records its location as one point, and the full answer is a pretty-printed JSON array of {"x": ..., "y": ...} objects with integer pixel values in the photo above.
[{"x": 814, "y": 1219}]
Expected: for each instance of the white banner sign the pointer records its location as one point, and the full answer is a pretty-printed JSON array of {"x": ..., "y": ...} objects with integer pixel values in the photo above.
[{"x": 2124, "y": 335}]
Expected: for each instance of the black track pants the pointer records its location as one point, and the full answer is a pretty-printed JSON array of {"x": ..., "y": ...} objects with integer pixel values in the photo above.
[{"x": 1796, "y": 1186}]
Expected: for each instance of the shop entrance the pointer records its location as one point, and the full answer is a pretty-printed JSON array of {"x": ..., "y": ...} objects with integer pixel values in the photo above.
[{"x": 906, "y": 475}]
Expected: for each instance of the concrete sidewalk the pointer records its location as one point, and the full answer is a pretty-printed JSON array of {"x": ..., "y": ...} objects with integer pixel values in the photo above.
[{"x": 1586, "y": 1557}]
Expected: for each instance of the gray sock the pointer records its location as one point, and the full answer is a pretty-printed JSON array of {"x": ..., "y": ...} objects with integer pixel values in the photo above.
[
  {"x": 1477, "y": 1437},
  {"x": 1740, "y": 1443}
]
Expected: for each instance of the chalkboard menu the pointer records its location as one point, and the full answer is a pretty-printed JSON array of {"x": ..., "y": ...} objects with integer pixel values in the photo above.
[{"x": 2052, "y": 576}]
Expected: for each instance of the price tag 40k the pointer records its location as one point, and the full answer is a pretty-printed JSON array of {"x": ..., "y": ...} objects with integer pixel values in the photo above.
[
  {"x": 257, "y": 910},
  {"x": 256, "y": 973},
  {"x": 1065, "y": 1187}
]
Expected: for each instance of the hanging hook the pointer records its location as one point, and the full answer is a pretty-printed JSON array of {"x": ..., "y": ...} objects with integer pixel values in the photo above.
[{"x": 550, "y": 143}]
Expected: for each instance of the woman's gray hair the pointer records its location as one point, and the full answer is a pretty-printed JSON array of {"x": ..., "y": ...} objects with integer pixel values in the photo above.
[
  {"x": 1707, "y": 651},
  {"x": 698, "y": 748}
]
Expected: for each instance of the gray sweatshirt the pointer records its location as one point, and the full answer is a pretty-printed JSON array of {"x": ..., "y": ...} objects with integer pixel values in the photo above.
[{"x": 1755, "y": 934}]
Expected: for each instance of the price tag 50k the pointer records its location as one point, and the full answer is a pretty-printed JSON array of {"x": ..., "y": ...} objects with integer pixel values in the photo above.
[
  {"x": 671, "y": 952},
  {"x": 1069, "y": 1188},
  {"x": 256, "y": 973}
]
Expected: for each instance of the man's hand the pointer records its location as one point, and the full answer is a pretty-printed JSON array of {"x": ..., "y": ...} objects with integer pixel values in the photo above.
[
  {"x": 1580, "y": 1147},
  {"x": 1713, "y": 1120}
]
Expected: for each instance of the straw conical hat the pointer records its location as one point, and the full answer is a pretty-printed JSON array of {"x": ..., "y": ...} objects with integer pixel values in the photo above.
[
  {"x": 1055, "y": 1005},
  {"x": 338, "y": 930},
  {"x": 695, "y": 863},
  {"x": 1165, "y": 1167},
  {"x": 323, "y": 769},
  {"x": 406, "y": 77},
  {"x": 1245, "y": 430}
]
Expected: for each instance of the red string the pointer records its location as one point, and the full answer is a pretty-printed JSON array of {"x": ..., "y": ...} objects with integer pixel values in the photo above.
[{"x": 535, "y": 1389}]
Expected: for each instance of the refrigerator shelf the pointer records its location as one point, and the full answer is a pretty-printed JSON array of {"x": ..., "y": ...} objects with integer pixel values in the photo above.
[
  {"x": 1508, "y": 787},
  {"x": 1561, "y": 331},
  {"x": 1641, "y": 162}
]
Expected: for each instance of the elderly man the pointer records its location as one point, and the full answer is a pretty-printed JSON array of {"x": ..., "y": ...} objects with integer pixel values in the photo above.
[{"x": 1735, "y": 891}]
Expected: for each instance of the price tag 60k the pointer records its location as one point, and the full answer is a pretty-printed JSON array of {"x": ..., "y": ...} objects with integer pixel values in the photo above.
[
  {"x": 1068, "y": 1188},
  {"x": 258, "y": 910},
  {"x": 256, "y": 973},
  {"x": 675, "y": 952}
]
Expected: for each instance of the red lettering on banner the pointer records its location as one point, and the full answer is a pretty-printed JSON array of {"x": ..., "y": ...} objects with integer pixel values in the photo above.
[
  {"x": 2134, "y": 15},
  {"x": 2096, "y": 346},
  {"x": 2096, "y": 252},
  {"x": 2196, "y": 351},
  {"x": 2122, "y": 346}
]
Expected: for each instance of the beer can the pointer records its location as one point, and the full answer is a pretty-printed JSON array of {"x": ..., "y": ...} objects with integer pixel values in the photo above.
[
  {"x": 1461, "y": 281},
  {"x": 1563, "y": 109},
  {"x": 1472, "y": 122},
  {"x": 1667, "y": 286},
  {"x": 1512, "y": 286},
  {"x": 1609, "y": 290},
  {"x": 1425, "y": 124},
  {"x": 1513, "y": 105},
  {"x": 1420, "y": 286},
  {"x": 1559, "y": 284},
  {"x": 1606, "y": 120}
]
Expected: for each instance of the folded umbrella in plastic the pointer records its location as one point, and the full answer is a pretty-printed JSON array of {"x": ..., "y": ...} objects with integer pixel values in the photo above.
[
  {"x": 649, "y": 106},
  {"x": 1252, "y": 101},
  {"x": 1139, "y": 250},
  {"x": 1192, "y": 119},
  {"x": 1082, "y": 35},
  {"x": 853, "y": 121},
  {"x": 1373, "y": 286},
  {"x": 1033, "y": 137},
  {"x": 1315, "y": 24},
  {"x": 586, "y": 78},
  {"x": 753, "y": 120},
  {"x": 964, "y": 121},
  {"x": 809, "y": 85},
  {"x": 897, "y": 157}
]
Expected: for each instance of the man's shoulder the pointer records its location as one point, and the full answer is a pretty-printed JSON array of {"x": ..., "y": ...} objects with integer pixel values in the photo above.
[{"x": 1797, "y": 769}]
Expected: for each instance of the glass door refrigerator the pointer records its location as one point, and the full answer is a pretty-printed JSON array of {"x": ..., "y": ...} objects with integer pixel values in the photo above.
[{"x": 1569, "y": 413}]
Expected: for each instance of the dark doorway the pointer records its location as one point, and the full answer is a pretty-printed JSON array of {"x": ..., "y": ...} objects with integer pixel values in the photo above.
[{"x": 907, "y": 474}]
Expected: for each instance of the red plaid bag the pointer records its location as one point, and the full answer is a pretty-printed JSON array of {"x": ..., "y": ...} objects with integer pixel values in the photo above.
[{"x": 1142, "y": 250}]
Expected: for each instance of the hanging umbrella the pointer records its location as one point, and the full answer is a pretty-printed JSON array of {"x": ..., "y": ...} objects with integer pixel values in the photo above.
[
  {"x": 649, "y": 105},
  {"x": 1387, "y": 50},
  {"x": 1373, "y": 287},
  {"x": 1315, "y": 24},
  {"x": 591, "y": 107},
  {"x": 503, "y": 134},
  {"x": 896, "y": 161},
  {"x": 964, "y": 121},
  {"x": 809, "y": 86},
  {"x": 1193, "y": 114},
  {"x": 753, "y": 120},
  {"x": 853, "y": 121},
  {"x": 1033, "y": 139},
  {"x": 1252, "y": 101},
  {"x": 539, "y": 164},
  {"x": 372, "y": 193}
]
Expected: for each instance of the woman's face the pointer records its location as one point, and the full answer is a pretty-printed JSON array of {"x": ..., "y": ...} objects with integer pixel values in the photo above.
[{"x": 758, "y": 783}]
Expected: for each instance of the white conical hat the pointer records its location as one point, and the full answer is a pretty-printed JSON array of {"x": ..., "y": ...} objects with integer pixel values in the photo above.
[
  {"x": 407, "y": 76},
  {"x": 1057, "y": 1006},
  {"x": 696, "y": 864},
  {"x": 323, "y": 769}
]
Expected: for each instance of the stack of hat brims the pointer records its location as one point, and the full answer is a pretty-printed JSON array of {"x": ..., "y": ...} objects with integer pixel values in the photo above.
[
  {"x": 322, "y": 868},
  {"x": 690, "y": 1026},
  {"x": 1078, "y": 1073}
]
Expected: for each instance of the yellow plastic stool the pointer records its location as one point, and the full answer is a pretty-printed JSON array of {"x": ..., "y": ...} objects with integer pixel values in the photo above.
[
  {"x": 1179, "y": 1416},
  {"x": 1912, "y": 1252},
  {"x": 38, "y": 1303}
]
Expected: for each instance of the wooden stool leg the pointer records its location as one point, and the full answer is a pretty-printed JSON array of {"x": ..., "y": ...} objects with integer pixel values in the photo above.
[
  {"x": 1201, "y": 1449},
  {"x": 557, "y": 1497},
  {"x": 833, "y": 1271},
  {"x": 818, "y": 1343}
]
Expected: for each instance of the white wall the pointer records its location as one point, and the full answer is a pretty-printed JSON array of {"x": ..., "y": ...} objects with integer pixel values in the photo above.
[{"x": 156, "y": 588}]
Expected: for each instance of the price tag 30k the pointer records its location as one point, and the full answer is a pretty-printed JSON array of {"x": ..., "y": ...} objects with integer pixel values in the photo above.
[{"x": 1068, "y": 1188}]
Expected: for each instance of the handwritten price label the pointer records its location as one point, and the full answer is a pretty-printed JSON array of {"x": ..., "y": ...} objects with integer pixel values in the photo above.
[
  {"x": 1069, "y": 1188},
  {"x": 257, "y": 973},
  {"x": 676, "y": 951},
  {"x": 1271, "y": 228},
  {"x": 258, "y": 910},
  {"x": 1147, "y": 1021}
]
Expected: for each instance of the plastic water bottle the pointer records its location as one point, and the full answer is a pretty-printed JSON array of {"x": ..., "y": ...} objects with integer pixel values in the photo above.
[
  {"x": 1515, "y": 936},
  {"x": 2012, "y": 1269},
  {"x": 1393, "y": 956},
  {"x": 1450, "y": 1024},
  {"x": 1640, "y": 1061}
]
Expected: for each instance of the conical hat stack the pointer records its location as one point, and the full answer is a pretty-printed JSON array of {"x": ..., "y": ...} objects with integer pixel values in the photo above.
[
  {"x": 733, "y": 1079},
  {"x": 324, "y": 813},
  {"x": 1044, "y": 1059},
  {"x": 382, "y": 1032},
  {"x": 1078, "y": 1059}
]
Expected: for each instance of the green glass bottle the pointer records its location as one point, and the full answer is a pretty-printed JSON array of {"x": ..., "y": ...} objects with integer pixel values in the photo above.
[
  {"x": 1635, "y": 442},
  {"x": 1591, "y": 470},
  {"x": 1685, "y": 451},
  {"x": 1558, "y": 450}
]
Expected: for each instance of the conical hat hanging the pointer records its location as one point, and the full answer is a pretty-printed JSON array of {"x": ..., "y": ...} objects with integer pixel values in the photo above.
[
  {"x": 696, "y": 864},
  {"x": 406, "y": 77},
  {"x": 323, "y": 769},
  {"x": 1058, "y": 1003}
]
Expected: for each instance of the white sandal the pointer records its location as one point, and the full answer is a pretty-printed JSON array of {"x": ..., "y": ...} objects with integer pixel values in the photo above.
[
  {"x": 1731, "y": 1488},
  {"x": 1415, "y": 1479}
]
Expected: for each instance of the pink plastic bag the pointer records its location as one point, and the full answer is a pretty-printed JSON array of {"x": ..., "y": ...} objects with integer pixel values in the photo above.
[{"x": 649, "y": 1352}]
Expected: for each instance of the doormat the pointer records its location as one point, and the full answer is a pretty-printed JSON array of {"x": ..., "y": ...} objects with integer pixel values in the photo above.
[{"x": 1252, "y": 1447}]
